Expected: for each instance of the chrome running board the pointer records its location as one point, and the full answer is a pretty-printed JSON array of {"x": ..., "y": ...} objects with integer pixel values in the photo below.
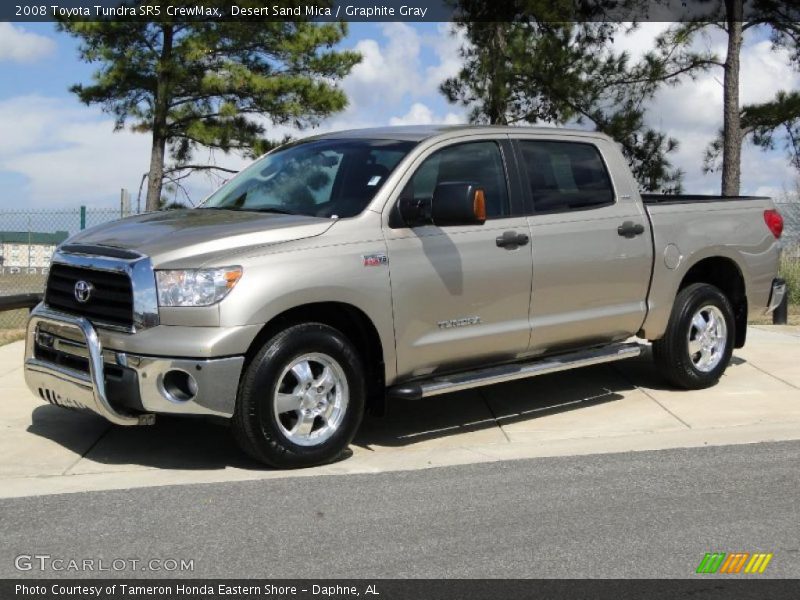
[{"x": 455, "y": 382}]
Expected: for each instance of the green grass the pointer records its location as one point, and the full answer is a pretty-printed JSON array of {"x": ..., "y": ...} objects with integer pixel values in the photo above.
[
  {"x": 13, "y": 319},
  {"x": 790, "y": 270},
  {"x": 11, "y": 335},
  {"x": 21, "y": 283},
  {"x": 793, "y": 318},
  {"x": 17, "y": 283},
  {"x": 12, "y": 322}
]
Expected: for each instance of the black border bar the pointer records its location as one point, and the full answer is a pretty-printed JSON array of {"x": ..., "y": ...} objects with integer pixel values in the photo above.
[
  {"x": 701, "y": 588},
  {"x": 391, "y": 10}
]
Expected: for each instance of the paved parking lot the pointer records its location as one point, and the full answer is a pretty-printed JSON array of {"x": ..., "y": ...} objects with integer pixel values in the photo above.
[{"x": 604, "y": 409}]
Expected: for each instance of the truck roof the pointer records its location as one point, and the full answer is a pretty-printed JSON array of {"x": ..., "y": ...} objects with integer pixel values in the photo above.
[{"x": 417, "y": 133}]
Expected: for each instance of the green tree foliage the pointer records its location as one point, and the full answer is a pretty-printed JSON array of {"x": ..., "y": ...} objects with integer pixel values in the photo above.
[
  {"x": 769, "y": 125},
  {"x": 778, "y": 120},
  {"x": 216, "y": 84},
  {"x": 535, "y": 69},
  {"x": 762, "y": 122}
]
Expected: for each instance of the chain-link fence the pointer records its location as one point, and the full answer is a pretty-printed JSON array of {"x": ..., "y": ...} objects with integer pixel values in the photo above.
[
  {"x": 27, "y": 241},
  {"x": 789, "y": 208}
]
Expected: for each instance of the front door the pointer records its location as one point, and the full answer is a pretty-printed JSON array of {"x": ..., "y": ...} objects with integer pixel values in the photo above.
[{"x": 461, "y": 294}]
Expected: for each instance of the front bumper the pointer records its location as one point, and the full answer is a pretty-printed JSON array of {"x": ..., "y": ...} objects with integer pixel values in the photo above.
[{"x": 66, "y": 365}]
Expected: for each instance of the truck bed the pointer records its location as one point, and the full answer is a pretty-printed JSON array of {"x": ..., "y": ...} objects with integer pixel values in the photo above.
[
  {"x": 692, "y": 198},
  {"x": 689, "y": 228}
]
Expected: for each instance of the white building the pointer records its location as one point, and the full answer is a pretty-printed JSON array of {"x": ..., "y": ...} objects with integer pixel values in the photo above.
[{"x": 28, "y": 249}]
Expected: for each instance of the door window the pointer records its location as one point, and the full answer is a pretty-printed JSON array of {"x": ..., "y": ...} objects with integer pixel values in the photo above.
[
  {"x": 565, "y": 176},
  {"x": 473, "y": 162}
]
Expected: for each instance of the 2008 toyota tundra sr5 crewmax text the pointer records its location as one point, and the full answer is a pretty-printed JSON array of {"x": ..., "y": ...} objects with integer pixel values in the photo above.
[{"x": 408, "y": 262}]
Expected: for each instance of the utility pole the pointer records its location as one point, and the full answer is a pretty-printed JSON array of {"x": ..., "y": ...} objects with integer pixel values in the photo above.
[{"x": 124, "y": 203}]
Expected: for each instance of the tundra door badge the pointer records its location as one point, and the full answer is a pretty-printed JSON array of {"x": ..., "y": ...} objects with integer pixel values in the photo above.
[{"x": 375, "y": 260}]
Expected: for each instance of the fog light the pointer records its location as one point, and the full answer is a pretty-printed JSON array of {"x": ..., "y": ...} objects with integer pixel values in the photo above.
[{"x": 179, "y": 386}]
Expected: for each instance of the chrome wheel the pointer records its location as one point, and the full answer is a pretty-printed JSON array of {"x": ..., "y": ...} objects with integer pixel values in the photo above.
[
  {"x": 707, "y": 338},
  {"x": 311, "y": 399}
]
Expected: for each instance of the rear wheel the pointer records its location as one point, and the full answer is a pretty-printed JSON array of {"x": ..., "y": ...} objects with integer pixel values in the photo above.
[
  {"x": 301, "y": 399},
  {"x": 699, "y": 340}
]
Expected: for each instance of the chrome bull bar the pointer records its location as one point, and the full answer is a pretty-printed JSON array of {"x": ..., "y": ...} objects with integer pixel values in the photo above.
[{"x": 68, "y": 387}]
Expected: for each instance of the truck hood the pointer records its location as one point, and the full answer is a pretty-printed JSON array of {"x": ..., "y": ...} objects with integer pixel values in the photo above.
[{"x": 200, "y": 233}]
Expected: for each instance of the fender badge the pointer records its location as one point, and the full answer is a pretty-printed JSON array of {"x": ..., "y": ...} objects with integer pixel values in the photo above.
[
  {"x": 375, "y": 260},
  {"x": 463, "y": 322}
]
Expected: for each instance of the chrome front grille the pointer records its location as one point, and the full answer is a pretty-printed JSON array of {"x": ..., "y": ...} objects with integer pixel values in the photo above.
[{"x": 110, "y": 300}]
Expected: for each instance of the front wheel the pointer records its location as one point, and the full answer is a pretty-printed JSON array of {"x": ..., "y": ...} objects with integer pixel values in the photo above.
[
  {"x": 301, "y": 399},
  {"x": 698, "y": 343}
]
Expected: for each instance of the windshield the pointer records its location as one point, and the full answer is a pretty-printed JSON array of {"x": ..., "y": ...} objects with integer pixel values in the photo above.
[{"x": 324, "y": 178}]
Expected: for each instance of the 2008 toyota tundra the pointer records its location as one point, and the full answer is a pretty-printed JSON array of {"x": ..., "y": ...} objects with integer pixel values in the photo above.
[{"x": 400, "y": 262}]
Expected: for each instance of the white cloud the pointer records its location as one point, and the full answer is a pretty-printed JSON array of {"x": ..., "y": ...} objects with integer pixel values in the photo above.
[
  {"x": 637, "y": 42},
  {"x": 18, "y": 45},
  {"x": 691, "y": 112},
  {"x": 393, "y": 70},
  {"x": 386, "y": 72},
  {"x": 421, "y": 114},
  {"x": 446, "y": 45},
  {"x": 765, "y": 173},
  {"x": 764, "y": 72},
  {"x": 68, "y": 154}
]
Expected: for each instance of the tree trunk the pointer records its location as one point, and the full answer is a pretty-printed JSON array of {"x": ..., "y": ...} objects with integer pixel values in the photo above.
[
  {"x": 498, "y": 108},
  {"x": 155, "y": 176},
  {"x": 731, "y": 125}
]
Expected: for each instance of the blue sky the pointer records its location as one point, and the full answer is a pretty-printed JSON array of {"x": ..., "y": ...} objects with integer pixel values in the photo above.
[{"x": 55, "y": 152}]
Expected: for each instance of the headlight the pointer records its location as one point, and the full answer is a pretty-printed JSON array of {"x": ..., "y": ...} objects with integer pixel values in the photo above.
[{"x": 195, "y": 287}]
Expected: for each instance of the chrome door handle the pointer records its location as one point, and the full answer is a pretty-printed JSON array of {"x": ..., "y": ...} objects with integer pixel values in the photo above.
[
  {"x": 511, "y": 240},
  {"x": 630, "y": 229}
]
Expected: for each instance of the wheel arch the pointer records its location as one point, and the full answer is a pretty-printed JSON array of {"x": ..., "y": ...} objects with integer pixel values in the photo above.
[
  {"x": 723, "y": 273},
  {"x": 352, "y": 322}
]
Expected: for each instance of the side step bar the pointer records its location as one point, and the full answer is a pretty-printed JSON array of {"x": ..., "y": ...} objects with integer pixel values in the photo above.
[{"x": 445, "y": 384}]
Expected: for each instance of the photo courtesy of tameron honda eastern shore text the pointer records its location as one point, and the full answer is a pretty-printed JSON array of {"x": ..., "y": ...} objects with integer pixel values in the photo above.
[{"x": 408, "y": 262}]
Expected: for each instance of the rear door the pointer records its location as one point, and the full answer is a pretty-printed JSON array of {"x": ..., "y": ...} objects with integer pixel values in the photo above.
[
  {"x": 591, "y": 243},
  {"x": 459, "y": 296}
]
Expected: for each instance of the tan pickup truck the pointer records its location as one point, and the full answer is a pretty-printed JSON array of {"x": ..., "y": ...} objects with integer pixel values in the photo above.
[{"x": 407, "y": 262}]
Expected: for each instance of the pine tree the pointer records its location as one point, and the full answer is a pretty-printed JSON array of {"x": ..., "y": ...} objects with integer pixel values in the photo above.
[
  {"x": 218, "y": 84},
  {"x": 535, "y": 69},
  {"x": 778, "y": 119},
  {"x": 780, "y": 19}
]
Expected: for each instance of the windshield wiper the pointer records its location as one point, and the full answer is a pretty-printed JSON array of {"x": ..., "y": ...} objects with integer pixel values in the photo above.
[
  {"x": 266, "y": 209},
  {"x": 272, "y": 209}
]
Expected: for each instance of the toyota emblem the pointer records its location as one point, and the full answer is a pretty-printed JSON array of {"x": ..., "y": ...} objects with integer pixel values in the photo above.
[{"x": 83, "y": 291}]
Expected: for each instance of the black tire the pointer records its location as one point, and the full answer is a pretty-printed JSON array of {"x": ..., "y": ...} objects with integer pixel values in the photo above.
[
  {"x": 671, "y": 353},
  {"x": 257, "y": 429}
]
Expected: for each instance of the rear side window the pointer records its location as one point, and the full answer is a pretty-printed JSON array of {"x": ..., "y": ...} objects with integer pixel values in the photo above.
[
  {"x": 565, "y": 176},
  {"x": 474, "y": 162}
]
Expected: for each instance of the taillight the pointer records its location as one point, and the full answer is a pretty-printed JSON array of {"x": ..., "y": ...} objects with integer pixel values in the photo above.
[{"x": 774, "y": 221}]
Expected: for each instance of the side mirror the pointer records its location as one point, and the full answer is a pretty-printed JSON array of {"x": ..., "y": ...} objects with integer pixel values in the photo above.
[{"x": 458, "y": 203}]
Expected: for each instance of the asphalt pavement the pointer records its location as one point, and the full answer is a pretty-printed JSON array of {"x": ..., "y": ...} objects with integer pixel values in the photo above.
[
  {"x": 613, "y": 408},
  {"x": 635, "y": 514}
]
